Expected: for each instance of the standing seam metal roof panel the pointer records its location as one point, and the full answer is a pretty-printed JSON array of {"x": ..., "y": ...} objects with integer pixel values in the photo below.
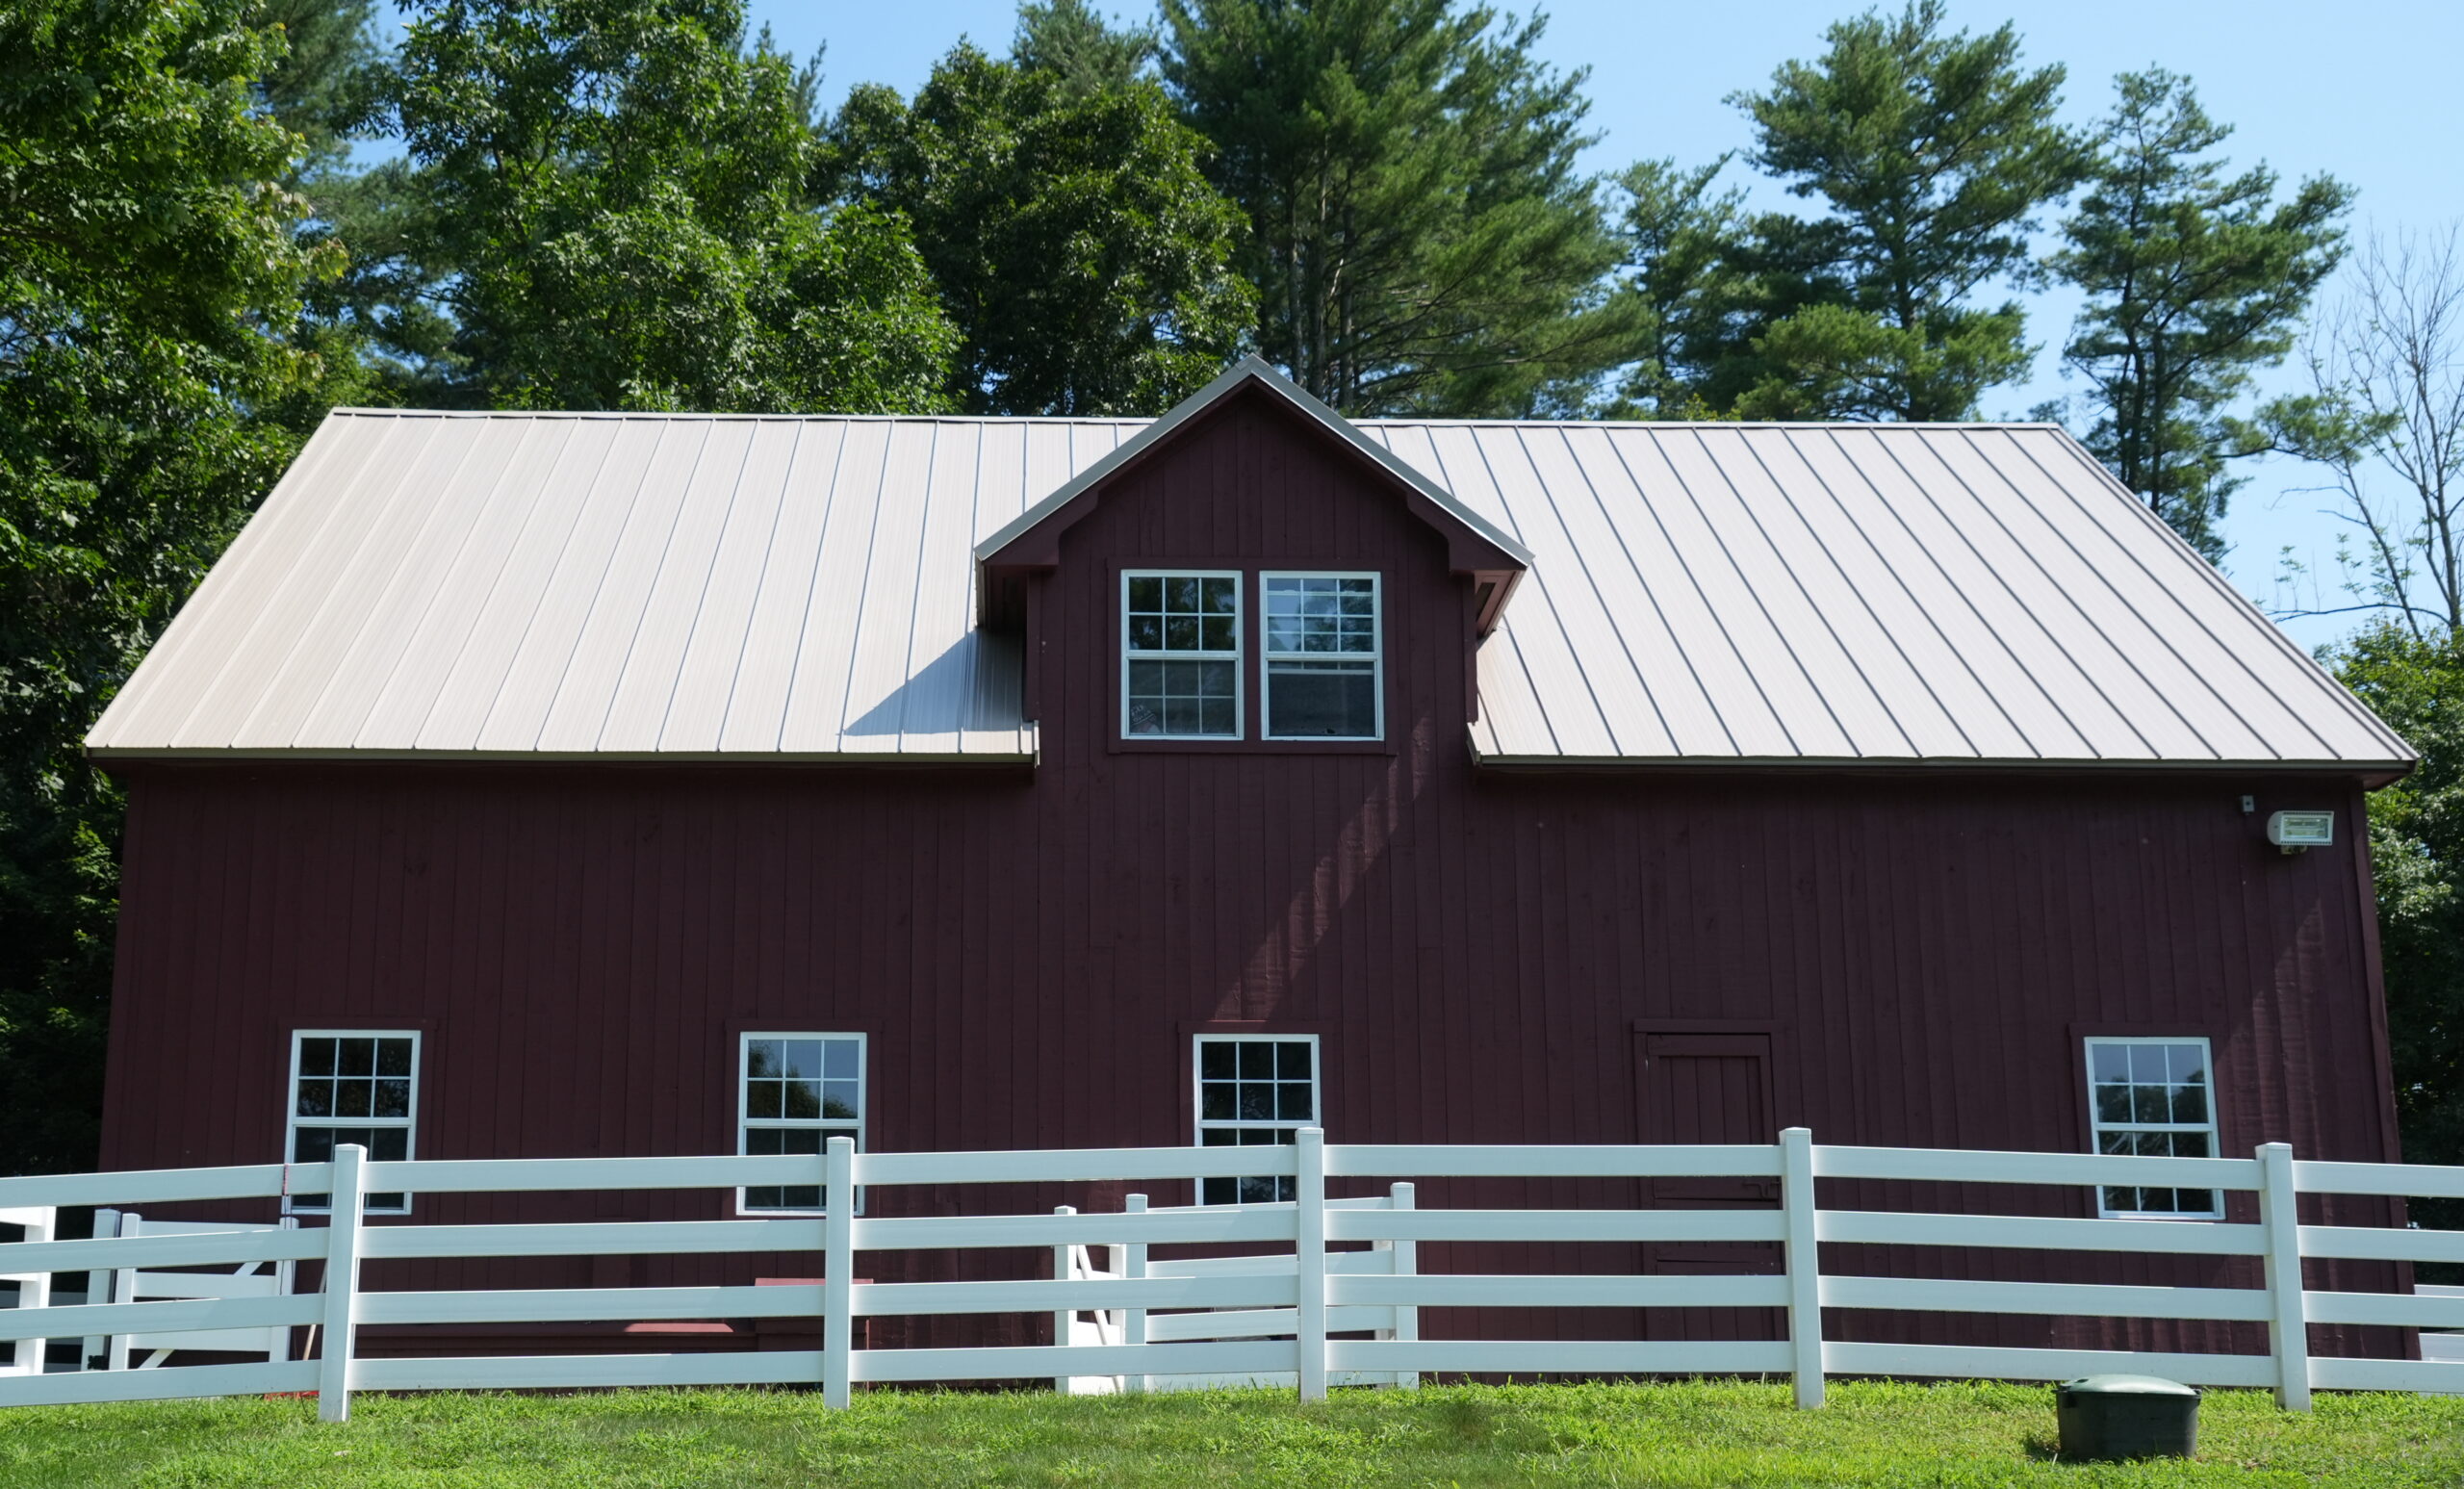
[
  {"x": 698, "y": 696},
  {"x": 475, "y": 675},
  {"x": 2321, "y": 706},
  {"x": 182, "y": 665},
  {"x": 2049, "y": 667},
  {"x": 1907, "y": 582},
  {"x": 395, "y": 698},
  {"x": 1931, "y": 688},
  {"x": 689, "y": 586},
  {"x": 2095, "y": 574},
  {"x": 1867, "y": 674}
]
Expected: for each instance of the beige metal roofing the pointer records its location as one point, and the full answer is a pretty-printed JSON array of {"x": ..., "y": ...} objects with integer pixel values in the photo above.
[{"x": 528, "y": 585}]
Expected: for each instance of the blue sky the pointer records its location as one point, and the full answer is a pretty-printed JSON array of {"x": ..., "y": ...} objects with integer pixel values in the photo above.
[{"x": 2365, "y": 91}]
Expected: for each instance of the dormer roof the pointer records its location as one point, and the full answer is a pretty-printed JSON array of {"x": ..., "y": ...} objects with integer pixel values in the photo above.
[{"x": 1475, "y": 546}]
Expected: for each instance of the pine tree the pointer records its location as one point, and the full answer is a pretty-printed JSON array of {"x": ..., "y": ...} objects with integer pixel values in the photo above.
[
  {"x": 1070, "y": 41},
  {"x": 1419, "y": 232},
  {"x": 2194, "y": 279},
  {"x": 1934, "y": 153},
  {"x": 1685, "y": 247}
]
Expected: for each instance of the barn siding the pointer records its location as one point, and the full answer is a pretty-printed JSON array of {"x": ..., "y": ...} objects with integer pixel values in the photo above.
[{"x": 1030, "y": 951}]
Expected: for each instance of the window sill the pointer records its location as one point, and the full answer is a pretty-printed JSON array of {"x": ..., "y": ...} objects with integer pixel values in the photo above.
[
  {"x": 2160, "y": 1215},
  {"x": 328, "y": 1215},
  {"x": 1122, "y": 746}
]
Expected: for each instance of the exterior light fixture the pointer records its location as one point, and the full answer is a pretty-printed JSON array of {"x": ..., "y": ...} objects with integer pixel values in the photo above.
[{"x": 2295, "y": 830}]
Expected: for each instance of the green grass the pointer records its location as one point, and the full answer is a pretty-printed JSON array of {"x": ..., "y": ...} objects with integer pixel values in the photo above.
[{"x": 1683, "y": 1434}]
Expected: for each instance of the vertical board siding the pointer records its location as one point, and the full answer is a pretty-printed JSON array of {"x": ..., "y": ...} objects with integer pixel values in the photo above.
[{"x": 1030, "y": 952}]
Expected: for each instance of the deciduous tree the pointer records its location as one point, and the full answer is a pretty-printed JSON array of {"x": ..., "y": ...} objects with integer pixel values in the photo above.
[
  {"x": 2415, "y": 682},
  {"x": 2383, "y": 416},
  {"x": 149, "y": 270},
  {"x": 1083, "y": 256},
  {"x": 612, "y": 205}
]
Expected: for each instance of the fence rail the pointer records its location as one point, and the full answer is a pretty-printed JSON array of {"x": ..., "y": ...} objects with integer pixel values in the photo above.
[{"x": 1142, "y": 1321}]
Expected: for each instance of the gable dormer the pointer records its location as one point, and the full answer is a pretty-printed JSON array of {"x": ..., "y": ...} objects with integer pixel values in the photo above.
[{"x": 1248, "y": 571}]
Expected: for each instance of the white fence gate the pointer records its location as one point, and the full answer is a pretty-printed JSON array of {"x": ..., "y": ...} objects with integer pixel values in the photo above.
[
  {"x": 1139, "y": 1326},
  {"x": 1311, "y": 1295}
]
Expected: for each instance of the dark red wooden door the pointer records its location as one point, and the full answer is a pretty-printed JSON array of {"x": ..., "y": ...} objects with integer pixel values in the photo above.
[{"x": 1708, "y": 1089}]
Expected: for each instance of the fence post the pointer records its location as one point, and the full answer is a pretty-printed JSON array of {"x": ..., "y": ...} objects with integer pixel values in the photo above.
[
  {"x": 335, "y": 1342},
  {"x": 101, "y": 1288},
  {"x": 839, "y": 1273},
  {"x": 123, "y": 1282},
  {"x": 1803, "y": 1257},
  {"x": 1133, "y": 1268},
  {"x": 34, "y": 1288},
  {"x": 1407, "y": 1264},
  {"x": 1309, "y": 1262},
  {"x": 1061, "y": 1318},
  {"x": 2288, "y": 1316}
]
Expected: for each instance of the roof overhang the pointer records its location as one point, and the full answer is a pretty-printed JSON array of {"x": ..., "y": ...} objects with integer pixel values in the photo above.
[
  {"x": 115, "y": 757},
  {"x": 1476, "y": 547},
  {"x": 2370, "y": 774}
]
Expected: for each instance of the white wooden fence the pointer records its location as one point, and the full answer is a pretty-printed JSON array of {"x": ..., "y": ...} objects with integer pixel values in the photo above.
[{"x": 1311, "y": 1296}]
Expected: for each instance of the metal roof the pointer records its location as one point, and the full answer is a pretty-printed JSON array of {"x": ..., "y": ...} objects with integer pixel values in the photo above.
[{"x": 704, "y": 586}]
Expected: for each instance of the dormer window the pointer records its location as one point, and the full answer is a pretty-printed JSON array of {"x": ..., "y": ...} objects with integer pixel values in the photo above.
[
  {"x": 1180, "y": 654},
  {"x": 1324, "y": 654}
]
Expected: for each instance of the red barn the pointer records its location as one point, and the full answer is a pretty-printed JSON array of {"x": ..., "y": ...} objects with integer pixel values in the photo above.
[{"x": 546, "y": 785}]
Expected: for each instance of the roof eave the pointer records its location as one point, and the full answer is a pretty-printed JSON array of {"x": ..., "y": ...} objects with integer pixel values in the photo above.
[
  {"x": 2372, "y": 774},
  {"x": 108, "y": 756}
]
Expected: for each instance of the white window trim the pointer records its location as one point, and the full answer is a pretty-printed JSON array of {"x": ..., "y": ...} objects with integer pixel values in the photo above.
[
  {"x": 293, "y": 1121},
  {"x": 1205, "y": 1125},
  {"x": 745, "y": 1122},
  {"x": 2097, "y": 1127},
  {"x": 1238, "y": 656},
  {"x": 1269, "y": 656}
]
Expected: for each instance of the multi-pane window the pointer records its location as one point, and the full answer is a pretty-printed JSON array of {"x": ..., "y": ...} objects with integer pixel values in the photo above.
[
  {"x": 1252, "y": 1092},
  {"x": 796, "y": 1092},
  {"x": 1181, "y": 655},
  {"x": 2153, "y": 1096},
  {"x": 1322, "y": 657},
  {"x": 353, "y": 1086}
]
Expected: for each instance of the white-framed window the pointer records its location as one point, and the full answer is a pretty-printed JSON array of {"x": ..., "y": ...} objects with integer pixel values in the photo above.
[
  {"x": 1254, "y": 1090},
  {"x": 1325, "y": 656},
  {"x": 1180, "y": 654},
  {"x": 2153, "y": 1095},
  {"x": 353, "y": 1086},
  {"x": 794, "y": 1092}
]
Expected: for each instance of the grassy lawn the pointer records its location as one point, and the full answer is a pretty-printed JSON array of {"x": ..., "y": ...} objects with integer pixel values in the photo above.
[{"x": 1688, "y": 1434}]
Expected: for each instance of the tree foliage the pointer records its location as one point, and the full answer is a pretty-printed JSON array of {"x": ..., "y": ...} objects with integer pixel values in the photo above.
[
  {"x": 611, "y": 207},
  {"x": 2416, "y": 683},
  {"x": 1419, "y": 233},
  {"x": 1085, "y": 55},
  {"x": 1687, "y": 249},
  {"x": 2194, "y": 280},
  {"x": 1080, "y": 251},
  {"x": 317, "y": 87},
  {"x": 1933, "y": 153},
  {"x": 150, "y": 272}
]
